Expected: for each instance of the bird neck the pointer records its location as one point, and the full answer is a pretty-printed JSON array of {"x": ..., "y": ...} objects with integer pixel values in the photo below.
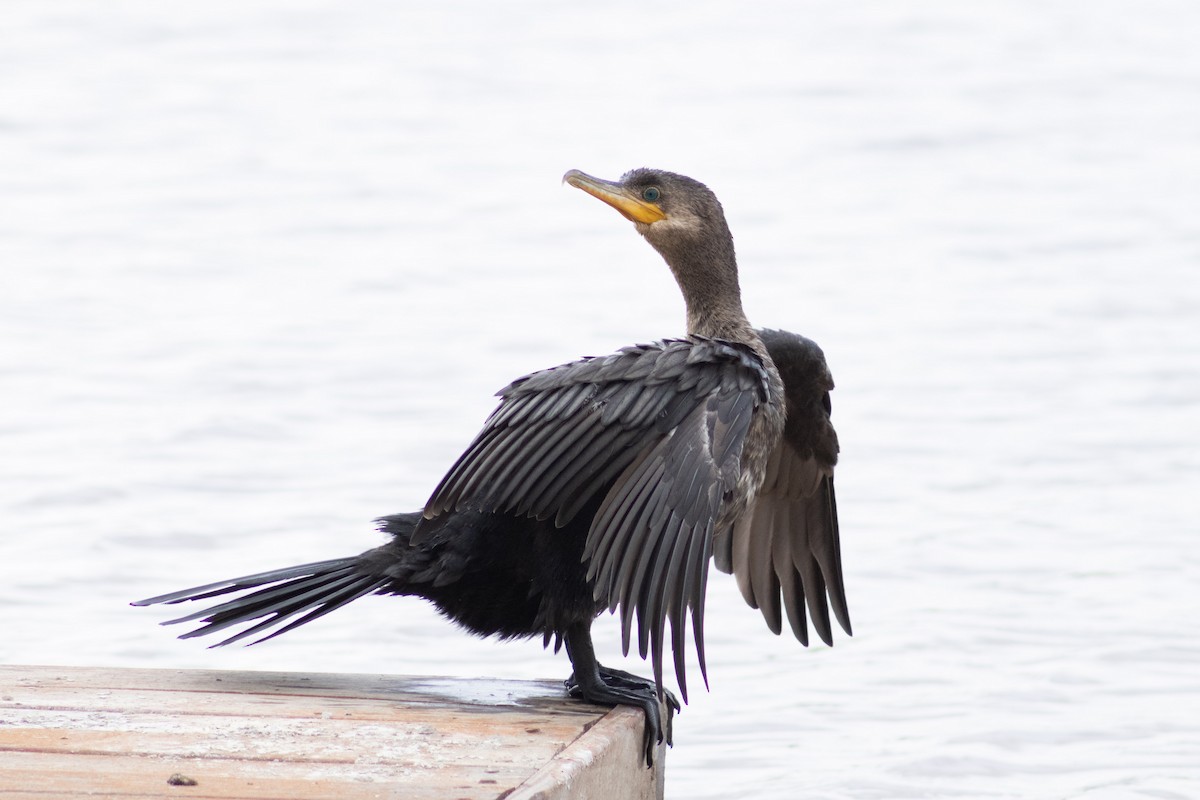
[
  {"x": 708, "y": 280},
  {"x": 725, "y": 321}
]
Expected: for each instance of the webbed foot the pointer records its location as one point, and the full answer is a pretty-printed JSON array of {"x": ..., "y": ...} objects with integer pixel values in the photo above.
[{"x": 616, "y": 687}]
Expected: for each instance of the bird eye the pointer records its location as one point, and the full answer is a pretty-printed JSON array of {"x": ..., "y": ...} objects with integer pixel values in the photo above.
[{"x": 650, "y": 194}]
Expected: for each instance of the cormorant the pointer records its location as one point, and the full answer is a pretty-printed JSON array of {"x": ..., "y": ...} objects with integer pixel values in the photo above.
[{"x": 610, "y": 483}]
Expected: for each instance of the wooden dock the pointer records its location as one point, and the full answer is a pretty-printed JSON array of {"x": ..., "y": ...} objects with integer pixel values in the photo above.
[{"x": 68, "y": 732}]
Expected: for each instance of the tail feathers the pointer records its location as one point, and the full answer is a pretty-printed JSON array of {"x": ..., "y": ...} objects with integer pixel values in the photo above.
[{"x": 316, "y": 588}]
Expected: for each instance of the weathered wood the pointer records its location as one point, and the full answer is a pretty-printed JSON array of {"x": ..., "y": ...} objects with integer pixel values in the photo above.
[{"x": 122, "y": 733}]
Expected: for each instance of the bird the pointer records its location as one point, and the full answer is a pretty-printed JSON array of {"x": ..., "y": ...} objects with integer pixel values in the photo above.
[{"x": 611, "y": 483}]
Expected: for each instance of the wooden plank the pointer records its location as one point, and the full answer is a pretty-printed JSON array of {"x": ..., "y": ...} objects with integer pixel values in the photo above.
[
  {"x": 73, "y": 732},
  {"x": 597, "y": 766}
]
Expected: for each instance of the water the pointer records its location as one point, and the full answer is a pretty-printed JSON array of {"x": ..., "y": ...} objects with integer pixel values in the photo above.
[{"x": 264, "y": 264}]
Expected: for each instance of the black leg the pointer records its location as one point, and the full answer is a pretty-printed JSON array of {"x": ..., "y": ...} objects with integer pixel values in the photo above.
[{"x": 611, "y": 687}]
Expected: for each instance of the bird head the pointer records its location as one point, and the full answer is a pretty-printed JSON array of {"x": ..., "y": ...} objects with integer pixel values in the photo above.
[
  {"x": 683, "y": 220},
  {"x": 674, "y": 212}
]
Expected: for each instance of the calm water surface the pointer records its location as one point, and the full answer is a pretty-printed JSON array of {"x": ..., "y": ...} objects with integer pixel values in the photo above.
[{"x": 262, "y": 266}]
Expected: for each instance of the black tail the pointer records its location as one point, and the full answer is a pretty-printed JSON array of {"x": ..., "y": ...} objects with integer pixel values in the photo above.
[{"x": 316, "y": 588}]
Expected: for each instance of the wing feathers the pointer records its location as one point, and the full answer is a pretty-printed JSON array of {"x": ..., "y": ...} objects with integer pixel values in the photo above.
[
  {"x": 787, "y": 548},
  {"x": 652, "y": 437}
]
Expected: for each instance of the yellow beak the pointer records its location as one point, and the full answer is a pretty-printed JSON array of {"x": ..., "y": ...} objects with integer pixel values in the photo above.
[{"x": 631, "y": 206}]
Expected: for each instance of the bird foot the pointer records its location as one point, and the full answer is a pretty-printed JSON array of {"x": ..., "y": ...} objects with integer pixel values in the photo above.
[{"x": 614, "y": 687}]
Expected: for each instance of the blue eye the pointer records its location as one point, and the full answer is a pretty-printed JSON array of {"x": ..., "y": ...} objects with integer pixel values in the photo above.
[{"x": 650, "y": 194}]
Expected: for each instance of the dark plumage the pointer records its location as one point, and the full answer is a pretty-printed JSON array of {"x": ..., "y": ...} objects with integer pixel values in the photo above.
[{"x": 610, "y": 483}]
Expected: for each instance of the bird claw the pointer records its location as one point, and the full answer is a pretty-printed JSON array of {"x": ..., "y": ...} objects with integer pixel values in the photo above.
[{"x": 624, "y": 688}]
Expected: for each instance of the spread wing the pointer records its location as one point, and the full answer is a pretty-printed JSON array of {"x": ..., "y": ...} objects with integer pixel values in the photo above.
[
  {"x": 652, "y": 438},
  {"x": 787, "y": 547}
]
